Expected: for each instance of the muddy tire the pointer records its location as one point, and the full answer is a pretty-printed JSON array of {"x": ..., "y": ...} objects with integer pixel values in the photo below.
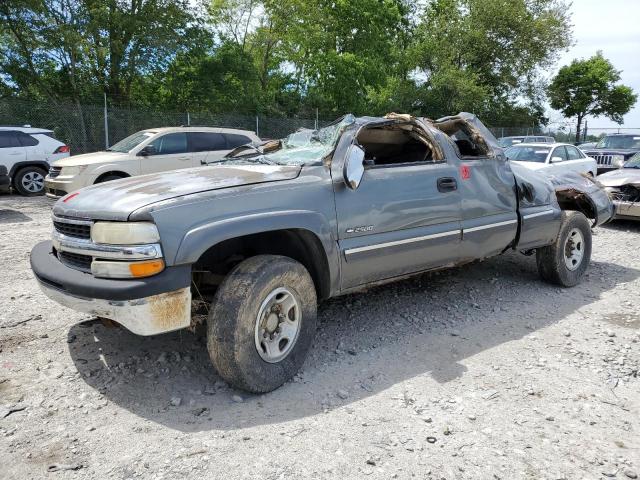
[
  {"x": 29, "y": 181},
  {"x": 262, "y": 322},
  {"x": 565, "y": 261}
]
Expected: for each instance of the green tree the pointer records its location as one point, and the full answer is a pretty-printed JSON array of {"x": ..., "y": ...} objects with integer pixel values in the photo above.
[
  {"x": 487, "y": 55},
  {"x": 590, "y": 87},
  {"x": 80, "y": 48}
]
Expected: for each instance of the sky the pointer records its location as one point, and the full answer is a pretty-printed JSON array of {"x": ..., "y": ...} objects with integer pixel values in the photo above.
[{"x": 612, "y": 26}]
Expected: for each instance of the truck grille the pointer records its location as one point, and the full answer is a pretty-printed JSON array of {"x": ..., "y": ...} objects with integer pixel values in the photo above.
[
  {"x": 54, "y": 171},
  {"x": 74, "y": 260},
  {"x": 602, "y": 159},
  {"x": 72, "y": 229}
]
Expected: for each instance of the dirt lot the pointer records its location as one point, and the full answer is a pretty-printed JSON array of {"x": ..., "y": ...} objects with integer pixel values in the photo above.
[{"x": 479, "y": 372}]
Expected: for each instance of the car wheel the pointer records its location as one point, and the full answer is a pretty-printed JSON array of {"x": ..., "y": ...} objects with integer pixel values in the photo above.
[
  {"x": 565, "y": 261},
  {"x": 108, "y": 178},
  {"x": 29, "y": 181},
  {"x": 262, "y": 322}
]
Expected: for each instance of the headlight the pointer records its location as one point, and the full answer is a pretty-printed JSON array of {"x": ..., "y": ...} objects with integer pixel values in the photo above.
[
  {"x": 617, "y": 160},
  {"x": 72, "y": 171},
  {"x": 124, "y": 233}
]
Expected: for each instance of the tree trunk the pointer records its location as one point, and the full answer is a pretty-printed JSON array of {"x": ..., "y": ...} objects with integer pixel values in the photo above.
[{"x": 579, "y": 128}]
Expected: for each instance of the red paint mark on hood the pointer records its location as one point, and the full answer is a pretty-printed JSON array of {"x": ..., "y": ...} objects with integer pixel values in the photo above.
[{"x": 69, "y": 197}]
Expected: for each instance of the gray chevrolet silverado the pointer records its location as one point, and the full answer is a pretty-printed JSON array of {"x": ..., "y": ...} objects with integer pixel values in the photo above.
[{"x": 249, "y": 245}]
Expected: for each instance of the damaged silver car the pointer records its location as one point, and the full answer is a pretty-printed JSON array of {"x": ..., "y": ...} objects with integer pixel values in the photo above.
[{"x": 624, "y": 187}]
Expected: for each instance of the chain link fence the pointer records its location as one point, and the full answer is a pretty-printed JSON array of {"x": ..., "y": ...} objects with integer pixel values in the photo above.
[{"x": 89, "y": 128}]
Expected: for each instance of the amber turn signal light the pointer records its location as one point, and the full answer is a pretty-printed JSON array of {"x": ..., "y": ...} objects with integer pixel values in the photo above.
[{"x": 146, "y": 269}]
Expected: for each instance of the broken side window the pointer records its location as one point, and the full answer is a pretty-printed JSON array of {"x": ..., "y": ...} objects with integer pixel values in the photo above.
[
  {"x": 468, "y": 142},
  {"x": 398, "y": 144}
]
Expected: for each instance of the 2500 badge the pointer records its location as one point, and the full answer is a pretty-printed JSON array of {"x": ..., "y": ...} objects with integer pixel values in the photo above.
[{"x": 365, "y": 228}]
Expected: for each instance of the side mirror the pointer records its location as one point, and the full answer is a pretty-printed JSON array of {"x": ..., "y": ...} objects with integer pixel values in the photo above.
[
  {"x": 556, "y": 159},
  {"x": 148, "y": 150},
  {"x": 353, "y": 167}
]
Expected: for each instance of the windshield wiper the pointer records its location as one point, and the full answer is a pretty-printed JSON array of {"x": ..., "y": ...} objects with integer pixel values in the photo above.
[{"x": 233, "y": 153}]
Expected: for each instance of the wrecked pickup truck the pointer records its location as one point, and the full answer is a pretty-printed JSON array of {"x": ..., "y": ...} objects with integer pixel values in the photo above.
[{"x": 255, "y": 241}]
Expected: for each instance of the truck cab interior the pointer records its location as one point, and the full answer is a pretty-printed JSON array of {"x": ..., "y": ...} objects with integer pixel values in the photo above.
[{"x": 396, "y": 144}]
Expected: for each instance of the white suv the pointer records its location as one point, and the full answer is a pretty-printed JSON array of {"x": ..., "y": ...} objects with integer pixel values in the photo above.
[
  {"x": 148, "y": 151},
  {"x": 27, "y": 152}
]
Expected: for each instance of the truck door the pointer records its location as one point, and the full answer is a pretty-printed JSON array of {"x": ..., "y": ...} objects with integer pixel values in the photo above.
[
  {"x": 405, "y": 215},
  {"x": 487, "y": 189}
]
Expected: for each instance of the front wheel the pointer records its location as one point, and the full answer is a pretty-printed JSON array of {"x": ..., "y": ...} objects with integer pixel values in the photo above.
[
  {"x": 29, "y": 181},
  {"x": 262, "y": 322},
  {"x": 565, "y": 261}
]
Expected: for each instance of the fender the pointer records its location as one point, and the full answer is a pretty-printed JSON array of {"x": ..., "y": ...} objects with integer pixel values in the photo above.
[
  {"x": 36, "y": 163},
  {"x": 199, "y": 239},
  {"x": 112, "y": 167}
]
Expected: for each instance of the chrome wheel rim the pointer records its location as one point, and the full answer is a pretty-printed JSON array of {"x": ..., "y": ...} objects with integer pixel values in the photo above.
[
  {"x": 32, "y": 182},
  {"x": 574, "y": 249},
  {"x": 277, "y": 325}
]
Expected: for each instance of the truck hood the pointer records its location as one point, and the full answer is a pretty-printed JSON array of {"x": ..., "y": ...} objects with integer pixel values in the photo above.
[
  {"x": 90, "y": 158},
  {"x": 117, "y": 199},
  {"x": 622, "y": 176}
]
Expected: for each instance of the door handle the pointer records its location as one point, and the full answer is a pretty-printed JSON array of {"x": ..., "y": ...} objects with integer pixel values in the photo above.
[
  {"x": 183, "y": 159},
  {"x": 447, "y": 184}
]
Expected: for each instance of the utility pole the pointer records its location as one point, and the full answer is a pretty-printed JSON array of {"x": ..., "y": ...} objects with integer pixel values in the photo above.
[
  {"x": 584, "y": 138},
  {"x": 106, "y": 123}
]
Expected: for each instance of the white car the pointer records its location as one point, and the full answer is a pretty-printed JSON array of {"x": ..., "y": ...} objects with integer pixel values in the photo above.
[
  {"x": 552, "y": 158},
  {"x": 148, "y": 151},
  {"x": 27, "y": 153}
]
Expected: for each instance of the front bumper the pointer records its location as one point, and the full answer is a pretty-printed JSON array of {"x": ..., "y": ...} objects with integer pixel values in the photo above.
[
  {"x": 627, "y": 210},
  {"x": 147, "y": 306},
  {"x": 60, "y": 186}
]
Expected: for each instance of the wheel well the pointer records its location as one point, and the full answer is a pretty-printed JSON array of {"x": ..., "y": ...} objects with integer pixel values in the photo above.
[
  {"x": 114, "y": 173},
  {"x": 301, "y": 245},
  {"x": 571, "y": 199},
  {"x": 21, "y": 165}
]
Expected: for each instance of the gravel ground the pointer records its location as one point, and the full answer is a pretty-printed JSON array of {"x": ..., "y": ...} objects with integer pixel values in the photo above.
[{"x": 478, "y": 372}]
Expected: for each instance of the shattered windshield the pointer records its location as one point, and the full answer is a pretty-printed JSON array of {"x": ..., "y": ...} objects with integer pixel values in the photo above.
[
  {"x": 619, "y": 141},
  {"x": 300, "y": 148},
  {"x": 527, "y": 154}
]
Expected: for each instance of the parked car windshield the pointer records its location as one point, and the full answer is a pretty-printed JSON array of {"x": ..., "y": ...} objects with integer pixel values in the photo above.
[
  {"x": 619, "y": 141},
  {"x": 131, "y": 142},
  {"x": 527, "y": 154},
  {"x": 299, "y": 148},
  {"x": 633, "y": 162}
]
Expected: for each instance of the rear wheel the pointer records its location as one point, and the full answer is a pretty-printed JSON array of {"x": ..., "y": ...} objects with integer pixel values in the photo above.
[
  {"x": 262, "y": 322},
  {"x": 29, "y": 181},
  {"x": 565, "y": 261}
]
